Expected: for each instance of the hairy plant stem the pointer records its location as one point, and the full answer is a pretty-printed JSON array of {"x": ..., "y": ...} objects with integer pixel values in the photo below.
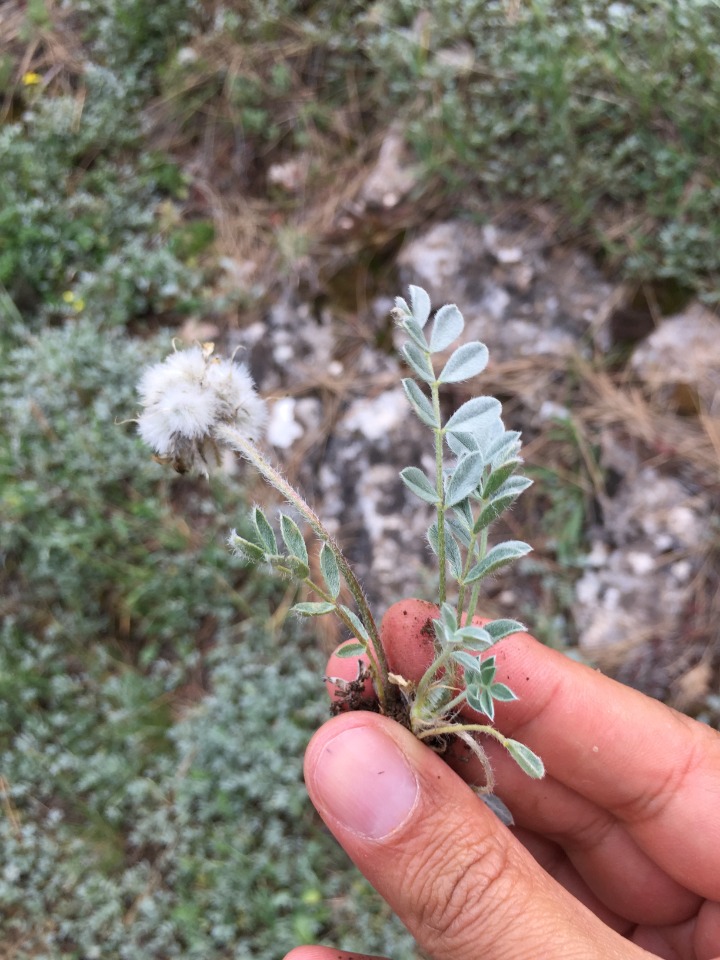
[
  {"x": 457, "y": 727},
  {"x": 427, "y": 679},
  {"x": 457, "y": 701},
  {"x": 233, "y": 438},
  {"x": 460, "y": 731},
  {"x": 440, "y": 488},
  {"x": 339, "y": 612},
  {"x": 470, "y": 560},
  {"x": 466, "y": 569},
  {"x": 464, "y": 732},
  {"x": 475, "y": 595}
]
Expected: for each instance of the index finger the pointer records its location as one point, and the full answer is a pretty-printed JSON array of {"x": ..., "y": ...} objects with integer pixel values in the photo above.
[{"x": 657, "y": 771}]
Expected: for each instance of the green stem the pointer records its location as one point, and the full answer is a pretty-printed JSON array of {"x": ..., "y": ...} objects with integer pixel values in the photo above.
[
  {"x": 475, "y": 595},
  {"x": 469, "y": 559},
  {"x": 455, "y": 728},
  {"x": 234, "y": 439},
  {"x": 323, "y": 594},
  {"x": 428, "y": 677},
  {"x": 463, "y": 731},
  {"x": 339, "y": 612},
  {"x": 440, "y": 488},
  {"x": 461, "y": 599},
  {"x": 456, "y": 702}
]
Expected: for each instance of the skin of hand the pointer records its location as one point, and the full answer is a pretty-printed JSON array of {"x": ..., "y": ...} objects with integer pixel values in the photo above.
[{"x": 615, "y": 853}]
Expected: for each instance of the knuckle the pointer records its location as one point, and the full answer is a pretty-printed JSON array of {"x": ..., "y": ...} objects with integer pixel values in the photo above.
[
  {"x": 653, "y": 799},
  {"x": 588, "y": 831}
]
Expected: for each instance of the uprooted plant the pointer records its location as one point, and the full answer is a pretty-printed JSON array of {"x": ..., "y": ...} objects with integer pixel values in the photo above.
[{"x": 195, "y": 403}]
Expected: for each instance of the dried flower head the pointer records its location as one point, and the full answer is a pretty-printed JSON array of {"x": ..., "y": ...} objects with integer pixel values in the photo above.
[{"x": 188, "y": 395}]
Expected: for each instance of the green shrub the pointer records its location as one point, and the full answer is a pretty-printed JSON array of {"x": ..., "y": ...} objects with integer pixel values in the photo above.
[
  {"x": 80, "y": 223},
  {"x": 133, "y": 38},
  {"x": 130, "y": 838}
]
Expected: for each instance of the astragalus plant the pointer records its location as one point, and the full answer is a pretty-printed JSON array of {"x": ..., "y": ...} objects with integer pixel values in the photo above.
[{"x": 196, "y": 403}]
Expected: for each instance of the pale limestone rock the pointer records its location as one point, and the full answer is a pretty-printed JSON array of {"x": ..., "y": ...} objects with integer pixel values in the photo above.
[
  {"x": 282, "y": 428},
  {"x": 392, "y": 177},
  {"x": 681, "y": 359},
  {"x": 629, "y": 592}
]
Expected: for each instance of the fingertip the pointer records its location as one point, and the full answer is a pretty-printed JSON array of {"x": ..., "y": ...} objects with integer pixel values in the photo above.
[
  {"x": 407, "y": 636},
  {"x": 359, "y": 775},
  {"x": 342, "y": 671}
]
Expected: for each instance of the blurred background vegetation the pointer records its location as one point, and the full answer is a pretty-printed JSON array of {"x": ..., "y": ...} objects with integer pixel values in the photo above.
[{"x": 152, "y": 720}]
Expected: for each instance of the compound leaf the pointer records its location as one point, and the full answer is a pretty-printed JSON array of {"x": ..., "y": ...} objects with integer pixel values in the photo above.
[
  {"x": 349, "y": 650},
  {"x": 469, "y": 664},
  {"x": 499, "y": 629},
  {"x": 474, "y": 416},
  {"x": 419, "y": 360},
  {"x": 452, "y": 553},
  {"x": 245, "y": 549},
  {"x": 414, "y": 331},
  {"x": 402, "y": 304},
  {"x": 265, "y": 532},
  {"x": 465, "y": 478},
  {"x": 357, "y": 624},
  {"x": 460, "y": 530},
  {"x": 506, "y": 446},
  {"x": 479, "y": 699},
  {"x": 501, "y": 691},
  {"x": 474, "y": 638},
  {"x": 487, "y": 671},
  {"x": 461, "y": 443},
  {"x": 505, "y": 496},
  {"x": 499, "y": 476}
]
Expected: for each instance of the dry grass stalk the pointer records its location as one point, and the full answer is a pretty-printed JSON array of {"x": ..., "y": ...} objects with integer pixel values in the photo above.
[{"x": 692, "y": 441}]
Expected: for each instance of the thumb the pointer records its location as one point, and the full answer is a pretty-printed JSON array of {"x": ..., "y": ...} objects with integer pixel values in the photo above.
[{"x": 457, "y": 878}]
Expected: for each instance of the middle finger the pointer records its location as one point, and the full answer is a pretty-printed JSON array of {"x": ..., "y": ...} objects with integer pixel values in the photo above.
[{"x": 598, "y": 846}]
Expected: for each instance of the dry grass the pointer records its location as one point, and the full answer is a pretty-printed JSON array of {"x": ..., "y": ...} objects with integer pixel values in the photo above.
[
  {"x": 689, "y": 445},
  {"x": 51, "y": 49}
]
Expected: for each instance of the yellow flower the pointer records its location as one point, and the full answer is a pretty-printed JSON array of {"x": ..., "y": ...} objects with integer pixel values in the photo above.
[
  {"x": 77, "y": 303},
  {"x": 31, "y": 79}
]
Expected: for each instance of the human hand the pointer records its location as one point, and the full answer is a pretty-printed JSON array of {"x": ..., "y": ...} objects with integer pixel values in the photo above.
[{"x": 615, "y": 853}]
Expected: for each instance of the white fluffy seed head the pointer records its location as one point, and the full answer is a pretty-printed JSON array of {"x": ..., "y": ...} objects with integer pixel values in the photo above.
[
  {"x": 181, "y": 411},
  {"x": 238, "y": 402},
  {"x": 186, "y": 396}
]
